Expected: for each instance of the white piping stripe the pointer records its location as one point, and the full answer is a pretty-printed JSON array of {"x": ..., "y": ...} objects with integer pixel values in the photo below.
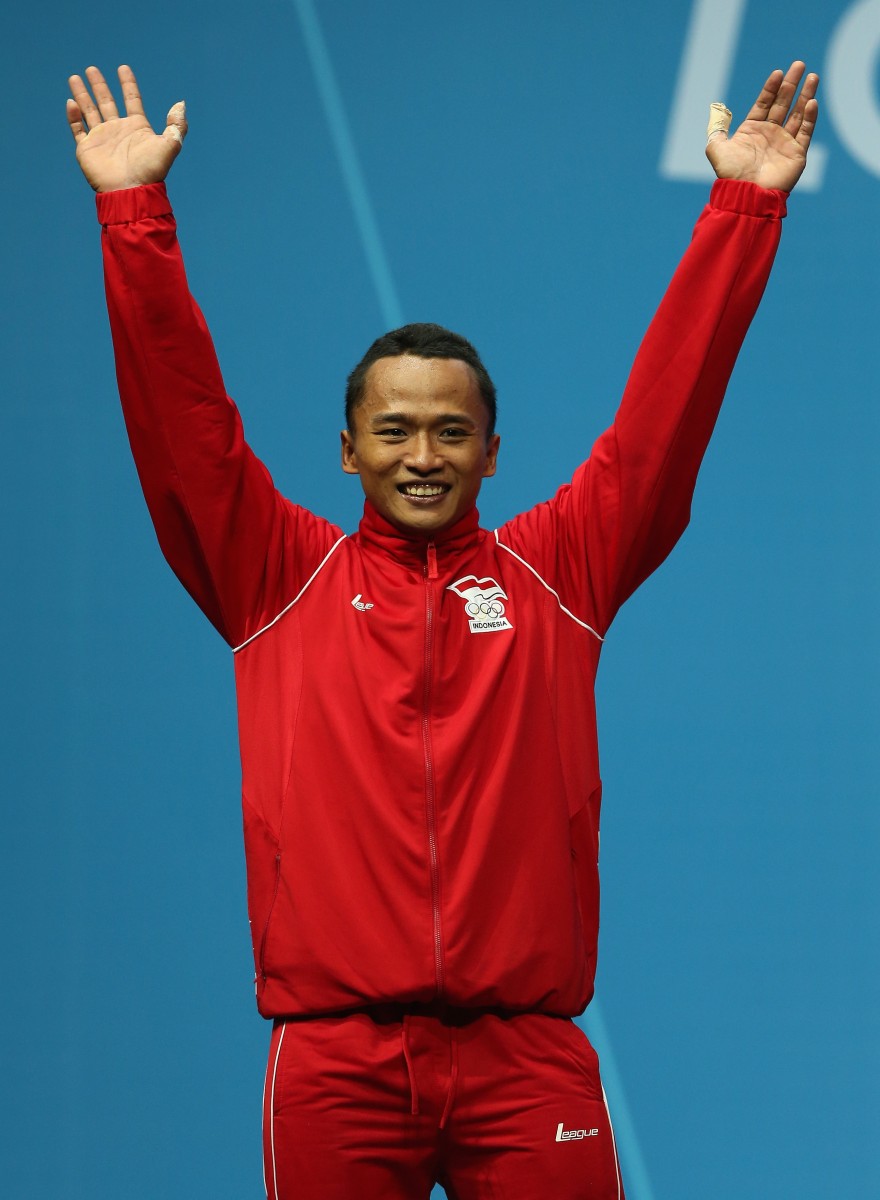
[
  {"x": 544, "y": 583},
  {"x": 263, "y": 1126},
  {"x": 613, "y": 1142},
  {"x": 235, "y": 649},
  {"x": 272, "y": 1115}
]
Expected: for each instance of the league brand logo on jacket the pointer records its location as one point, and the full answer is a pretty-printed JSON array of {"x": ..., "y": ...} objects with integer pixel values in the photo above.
[{"x": 483, "y": 603}]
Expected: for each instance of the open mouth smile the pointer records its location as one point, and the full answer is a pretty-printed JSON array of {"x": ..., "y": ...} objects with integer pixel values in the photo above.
[{"x": 423, "y": 491}]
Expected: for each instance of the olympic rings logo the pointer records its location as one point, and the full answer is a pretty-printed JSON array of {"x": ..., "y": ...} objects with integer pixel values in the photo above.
[{"x": 484, "y": 608}]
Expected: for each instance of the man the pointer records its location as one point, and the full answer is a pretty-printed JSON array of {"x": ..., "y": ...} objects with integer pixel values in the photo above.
[{"x": 422, "y": 880}]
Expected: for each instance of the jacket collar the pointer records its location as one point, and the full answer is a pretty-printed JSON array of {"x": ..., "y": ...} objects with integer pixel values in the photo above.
[{"x": 411, "y": 549}]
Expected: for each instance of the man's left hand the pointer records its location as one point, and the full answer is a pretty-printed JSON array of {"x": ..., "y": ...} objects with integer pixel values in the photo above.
[{"x": 770, "y": 147}]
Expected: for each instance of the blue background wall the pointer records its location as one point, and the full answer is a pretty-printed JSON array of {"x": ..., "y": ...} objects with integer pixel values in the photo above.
[{"x": 521, "y": 173}]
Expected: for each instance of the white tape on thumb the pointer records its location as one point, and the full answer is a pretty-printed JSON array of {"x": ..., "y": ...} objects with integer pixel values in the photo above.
[
  {"x": 176, "y": 126},
  {"x": 720, "y": 117}
]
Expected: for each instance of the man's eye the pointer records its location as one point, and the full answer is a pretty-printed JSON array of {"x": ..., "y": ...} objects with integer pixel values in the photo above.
[
  {"x": 454, "y": 431},
  {"x": 392, "y": 432}
]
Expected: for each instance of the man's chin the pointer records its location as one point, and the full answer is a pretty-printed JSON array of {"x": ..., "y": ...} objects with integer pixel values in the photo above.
[{"x": 424, "y": 519}]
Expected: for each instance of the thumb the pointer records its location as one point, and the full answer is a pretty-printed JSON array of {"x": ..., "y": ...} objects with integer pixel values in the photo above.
[
  {"x": 175, "y": 123},
  {"x": 720, "y": 117}
]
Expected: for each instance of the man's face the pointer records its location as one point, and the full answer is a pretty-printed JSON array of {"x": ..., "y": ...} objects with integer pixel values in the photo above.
[{"x": 420, "y": 442}]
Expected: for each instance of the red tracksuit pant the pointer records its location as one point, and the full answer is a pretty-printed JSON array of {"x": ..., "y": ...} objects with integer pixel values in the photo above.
[{"x": 380, "y": 1105}]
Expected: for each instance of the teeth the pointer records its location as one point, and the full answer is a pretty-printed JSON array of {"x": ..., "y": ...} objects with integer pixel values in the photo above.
[{"x": 423, "y": 489}]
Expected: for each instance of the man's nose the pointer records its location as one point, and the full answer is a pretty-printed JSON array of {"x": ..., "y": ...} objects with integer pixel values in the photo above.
[{"x": 423, "y": 454}]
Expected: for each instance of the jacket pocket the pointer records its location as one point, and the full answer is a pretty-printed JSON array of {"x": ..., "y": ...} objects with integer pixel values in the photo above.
[
  {"x": 261, "y": 957},
  {"x": 263, "y": 857},
  {"x": 584, "y": 834}
]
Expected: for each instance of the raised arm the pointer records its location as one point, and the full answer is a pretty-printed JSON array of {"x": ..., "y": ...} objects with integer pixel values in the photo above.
[
  {"x": 626, "y": 507},
  {"x": 239, "y": 548}
]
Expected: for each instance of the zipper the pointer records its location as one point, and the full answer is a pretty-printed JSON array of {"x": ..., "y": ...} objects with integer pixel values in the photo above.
[
  {"x": 269, "y": 917},
  {"x": 431, "y": 573}
]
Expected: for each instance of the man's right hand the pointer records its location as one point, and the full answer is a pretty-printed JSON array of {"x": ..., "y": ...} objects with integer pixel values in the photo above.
[{"x": 120, "y": 152}]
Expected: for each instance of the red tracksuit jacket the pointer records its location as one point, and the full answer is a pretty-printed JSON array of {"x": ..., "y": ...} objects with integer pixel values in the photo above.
[{"x": 421, "y": 783}]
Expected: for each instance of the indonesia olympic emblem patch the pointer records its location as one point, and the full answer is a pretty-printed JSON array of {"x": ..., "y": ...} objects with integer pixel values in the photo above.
[{"x": 483, "y": 603}]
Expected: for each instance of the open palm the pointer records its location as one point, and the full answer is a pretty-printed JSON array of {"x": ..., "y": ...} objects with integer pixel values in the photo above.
[
  {"x": 120, "y": 152},
  {"x": 770, "y": 147}
]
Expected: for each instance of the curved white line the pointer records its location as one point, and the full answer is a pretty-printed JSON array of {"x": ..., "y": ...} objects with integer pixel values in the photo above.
[
  {"x": 272, "y": 1115},
  {"x": 544, "y": 583},
  {"x": 613, "y": 1142},
  {"x": 263, "y": 1127},
  {"x": 247, "y": 641}
]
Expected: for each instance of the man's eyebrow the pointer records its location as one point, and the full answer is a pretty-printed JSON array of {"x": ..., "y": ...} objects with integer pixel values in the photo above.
[
  {"x": 388, "y": 418},
  {"x": 398, "y": 418}
]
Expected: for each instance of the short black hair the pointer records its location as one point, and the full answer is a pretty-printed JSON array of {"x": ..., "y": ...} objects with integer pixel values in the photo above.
[{"x": 424, "y": 340}]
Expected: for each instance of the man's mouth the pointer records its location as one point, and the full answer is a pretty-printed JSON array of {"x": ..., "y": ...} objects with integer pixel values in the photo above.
[{"x": 423, "y": 491}]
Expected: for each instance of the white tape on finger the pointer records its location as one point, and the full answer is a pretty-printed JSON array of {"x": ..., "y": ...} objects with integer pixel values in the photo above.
[{"x": 720, "y": 117}]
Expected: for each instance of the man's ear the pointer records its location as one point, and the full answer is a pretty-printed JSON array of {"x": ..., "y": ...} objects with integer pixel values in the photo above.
[
  {"x": 492, "y": 448},
  {"x": 349, "y": 457}
]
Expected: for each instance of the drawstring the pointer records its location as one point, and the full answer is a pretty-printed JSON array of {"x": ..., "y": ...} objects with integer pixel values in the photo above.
[
  {"x": 413, "y": 1089},
  {"x": 453, "y": 1076},
  {"x": 411, "y": 1074}
]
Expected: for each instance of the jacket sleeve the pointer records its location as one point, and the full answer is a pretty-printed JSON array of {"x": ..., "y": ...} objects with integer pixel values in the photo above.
[
  {"x": 627, "y": 506},
  {"x": 241, "y": 550}
]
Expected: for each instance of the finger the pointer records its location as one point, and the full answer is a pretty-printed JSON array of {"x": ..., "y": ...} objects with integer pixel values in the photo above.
[
  {"x": 74, "y": 119},
  {"x": 808, "y": 92},
  {"x": 175, "y": 123},
  {"x": 84, "y": 102},
  {"x": 103, "y": 95},
  {"x": 134, "y": 105},
  {"x": 780, "y": 106},
  {"x": 808, "y": 124},
  {"x": 720, "y": 117},
  {"x": 766, "y": 97}
]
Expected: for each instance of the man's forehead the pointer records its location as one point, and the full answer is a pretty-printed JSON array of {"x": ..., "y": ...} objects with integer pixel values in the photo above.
[
  {"x": 426, "y": 390},
  {"x": 405, "y": 373}
]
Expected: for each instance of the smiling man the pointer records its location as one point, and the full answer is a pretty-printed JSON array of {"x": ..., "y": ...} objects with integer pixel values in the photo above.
[
  {"x": 421, "y": 433},
  {"x": 422, "y": 880}
]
